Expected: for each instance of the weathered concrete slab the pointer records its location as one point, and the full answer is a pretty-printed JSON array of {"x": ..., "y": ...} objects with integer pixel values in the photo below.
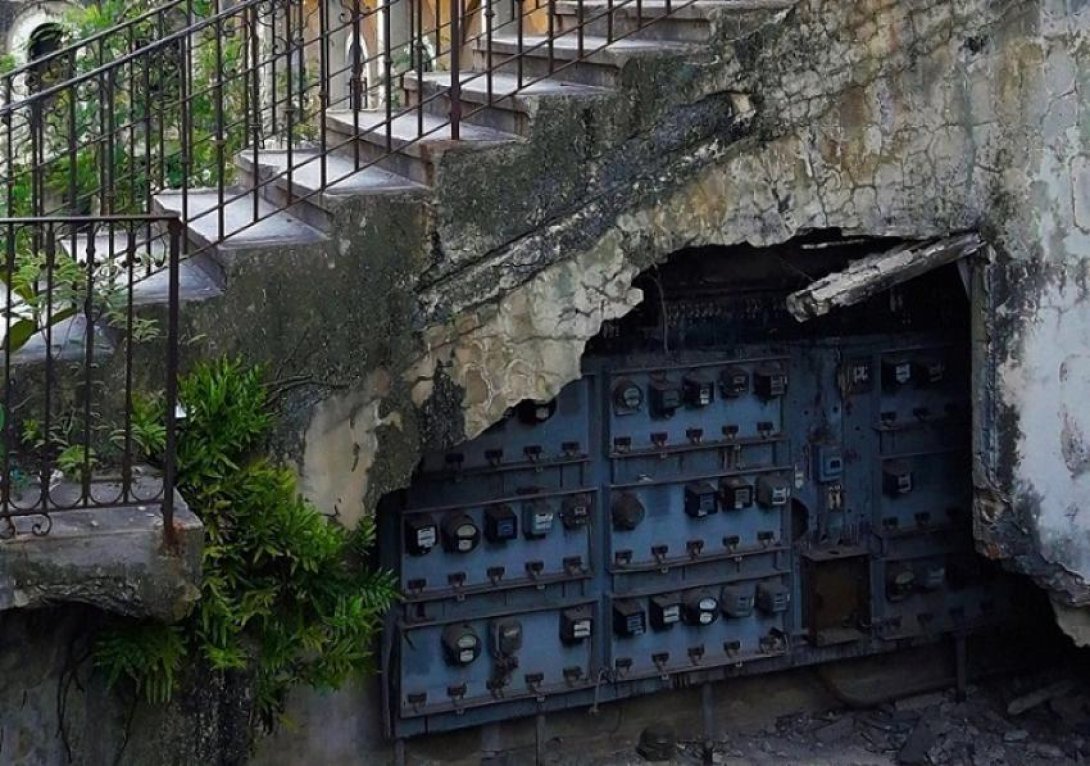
[
  {"x": 114, "y": 558},
  {"x": 878, "y": 273}
]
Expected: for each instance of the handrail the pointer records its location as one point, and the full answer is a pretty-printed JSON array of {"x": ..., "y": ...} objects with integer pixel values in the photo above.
[
  {"x": 278, "y": 98},
  {"x": 159, "y": 45}
]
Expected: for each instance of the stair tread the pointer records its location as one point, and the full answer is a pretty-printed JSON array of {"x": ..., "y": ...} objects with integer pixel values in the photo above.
[
  {"x": 475, "y": 85},
  {"x": 275, "y": 227},
  {"x": 698, "y": 9},
  {"x": 68, "y": 340},
  {"x": 567, "y": 44},
  {"x": 404, "y": 128},
  {"x": 341, "y": 176},
  {"x": 150, "y": 286}
]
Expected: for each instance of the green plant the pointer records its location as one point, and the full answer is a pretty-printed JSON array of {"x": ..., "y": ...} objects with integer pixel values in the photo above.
[
  {"x": 287, "y": 595},
  {"x": 148, "y": 655},
  {"x": 76, "y": 461},
  {"x": 146, "y": 427}
]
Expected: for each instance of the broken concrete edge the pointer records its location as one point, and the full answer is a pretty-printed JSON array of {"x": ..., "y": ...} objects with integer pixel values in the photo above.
[
  {"x": 114, "y": 558},
  {"x": 877, "y": 273}
]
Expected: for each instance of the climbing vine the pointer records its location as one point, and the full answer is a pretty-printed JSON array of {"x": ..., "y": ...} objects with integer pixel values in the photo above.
[{"x": 287, "y": 595}]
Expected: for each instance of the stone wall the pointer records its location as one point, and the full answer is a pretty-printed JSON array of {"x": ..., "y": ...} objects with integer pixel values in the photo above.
[{"x": 58, "y": 711}]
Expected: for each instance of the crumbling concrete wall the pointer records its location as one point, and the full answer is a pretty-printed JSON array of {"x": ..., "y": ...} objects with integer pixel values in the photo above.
[
  {"x": 58, "y": 710},
  {"x": 876, "y": 117}
]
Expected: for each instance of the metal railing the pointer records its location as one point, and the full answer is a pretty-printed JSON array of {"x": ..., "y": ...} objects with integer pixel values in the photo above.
[
  {"x": 188, "y": 94},
  {"x": 169, "y": 101},
  {"x": 90, "y": 359}
]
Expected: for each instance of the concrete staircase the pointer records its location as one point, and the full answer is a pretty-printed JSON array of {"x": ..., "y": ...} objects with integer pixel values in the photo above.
[{"x": 397, "y": 160}]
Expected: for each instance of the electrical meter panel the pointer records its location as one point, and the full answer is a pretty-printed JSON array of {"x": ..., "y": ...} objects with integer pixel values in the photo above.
[{"x": 715, "y": 509}]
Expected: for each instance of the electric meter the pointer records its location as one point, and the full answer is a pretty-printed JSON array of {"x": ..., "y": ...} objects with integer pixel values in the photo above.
[
  {"x": 461, "y": 645},
  {"x": 701, "y": 499},
  {"x": 896, "y": 372},
  {"x": 666, "y": 397},
  {"x": 460, "y": 533},
  {"x": 629, "y": 619},
  {"x": 421, "y": 534},
  {"x": 734, "y": 382},
  {"x": 737, "y": 600},
  {"x": 900, "y": 583},
  {"x": 500, "y": 524},
  {"x": 896, "y": 478},
  {"x": 627, "y": 397},
  {"x": 700, "y": 607},
  {"x": 506, "y": 637},
  {"x": 770, "y": 381},
  {"x": 773, "y": 491},
  {"x": 699, "y": 390},
  {"x": 576, "y": 624},
  {"x": 773, "y": 597},
  {"x": 665, "y": 611},
  {"x": 627, "y": 511},
  {"x": 531, "y": 411},
  {"x": 537, "y": 518},
  {"x": 735, "y": 493},
  {"x": 575, "y": 510}
]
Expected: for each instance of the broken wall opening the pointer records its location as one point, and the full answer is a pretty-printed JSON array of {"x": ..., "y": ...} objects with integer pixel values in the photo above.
[{"x": 725, "y": 491}]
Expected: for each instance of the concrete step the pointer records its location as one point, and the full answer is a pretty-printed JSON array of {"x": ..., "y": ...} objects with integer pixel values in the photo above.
[
  {"x": 509, "y": 108},
  {"x": 197, "y": 275},
  {"x": 598, "y": 62},
  {"x": 66, "y": 341},
  {"x": 411, "y": 145},
  {"x": 677, "y": 20},
  {"x": 242, "y": 228},
  {"x": 305, "y": 196}
]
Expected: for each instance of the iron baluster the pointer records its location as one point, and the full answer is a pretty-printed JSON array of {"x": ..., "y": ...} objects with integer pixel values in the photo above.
[
  {"x": 520, "y": 52},
  {"x": 130, "y": 273},
  {"x": 255, "y": 105},
  {"x": 174, "y": 229},
  {"x": 88, "y": 358},
  {"x": 289, "y": 103},
  {"x": 47, "y": 391},
  {"x": 455, "y": 69},
  {"x": 419, "y": 69},
  {"x": 580, "y": 24},
  {"x": 9, "y": 440},
  {"x": 552, "y": 36},
  {"x": 323, "y": 89},
  {"x": 219, "y": 138},
  {"x": 388, "y": 69},
  {"x": 489, "y": 13},
  {"x": 357, "y": 76}
]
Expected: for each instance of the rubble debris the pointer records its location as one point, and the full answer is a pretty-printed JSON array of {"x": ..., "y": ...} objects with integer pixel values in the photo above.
[
  {"x": 918, "y": 744},
  {"x": 931, "y": 729},
  {"x": 1039, "y": 697},
  {"x": 658, "y": 742}
]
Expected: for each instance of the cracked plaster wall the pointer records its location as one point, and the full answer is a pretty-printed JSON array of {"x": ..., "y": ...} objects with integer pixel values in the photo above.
[
  {"x": 916, "y": 119},
  {"x": 875, "y": 117},
  {"x": 878, "y": 118}
]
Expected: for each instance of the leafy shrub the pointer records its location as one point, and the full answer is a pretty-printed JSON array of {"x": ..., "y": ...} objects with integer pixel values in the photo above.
[{"x": 286, "y": 595}]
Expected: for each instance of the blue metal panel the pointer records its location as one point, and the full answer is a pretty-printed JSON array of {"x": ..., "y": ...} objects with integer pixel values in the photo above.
[{"x": 855, "y": 538}]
